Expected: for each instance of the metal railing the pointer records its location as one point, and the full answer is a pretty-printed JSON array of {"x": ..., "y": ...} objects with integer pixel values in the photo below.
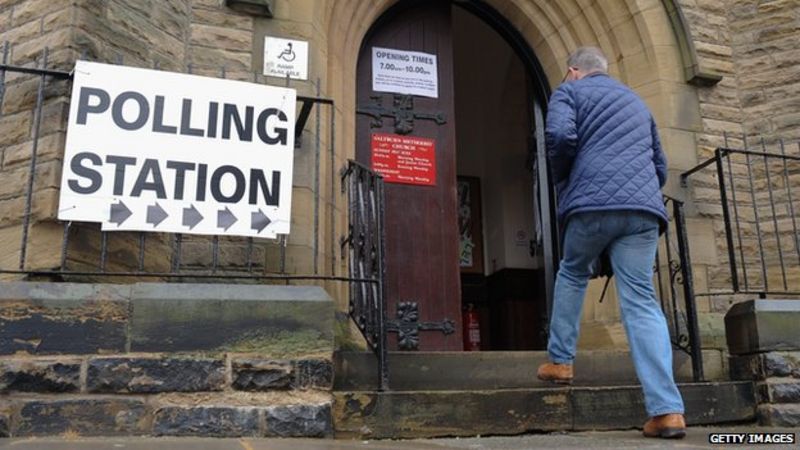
[
  {"x": 366, "y": 244},
  {"x": 754, "y": 194},
  {"x": 675, "y": 287},
  {"x": 86, "y": 252}
]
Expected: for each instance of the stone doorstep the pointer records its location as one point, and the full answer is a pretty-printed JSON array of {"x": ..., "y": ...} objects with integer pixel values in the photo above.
[
  {"x": 151, "y": 374},
  {"x": 409, "y": 371},
  {"x": 213, "y": 416},
  {"x": 417, "y": 414}
]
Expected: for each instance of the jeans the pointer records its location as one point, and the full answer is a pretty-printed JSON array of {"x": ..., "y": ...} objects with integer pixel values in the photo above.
[{"x": 631, "y": 238}]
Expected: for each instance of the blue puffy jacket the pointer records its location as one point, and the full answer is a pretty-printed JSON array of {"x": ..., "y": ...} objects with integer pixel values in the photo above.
[{"x": 604, "y": 150}]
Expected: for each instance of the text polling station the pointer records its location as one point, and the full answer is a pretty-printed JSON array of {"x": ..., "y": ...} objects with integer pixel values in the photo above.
[{"x": 148, "y": 150}]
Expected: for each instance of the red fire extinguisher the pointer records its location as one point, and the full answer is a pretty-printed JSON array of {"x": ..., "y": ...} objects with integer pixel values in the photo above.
[{"x": 472, "y": 329}]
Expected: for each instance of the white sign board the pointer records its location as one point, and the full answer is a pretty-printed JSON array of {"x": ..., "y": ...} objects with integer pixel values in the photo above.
[
  {"x": 284, "y": 57},
  {"x": 160, "y": 151},
  {"x": 404, "y": 72}
]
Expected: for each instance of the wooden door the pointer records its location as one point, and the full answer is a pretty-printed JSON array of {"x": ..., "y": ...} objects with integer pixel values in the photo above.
[{"x": 421, "y": 220}]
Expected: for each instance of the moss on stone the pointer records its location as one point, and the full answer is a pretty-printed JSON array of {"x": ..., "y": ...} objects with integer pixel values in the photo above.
[
  {"x": 343, "y": 337},
  {"x": 283, "y": 344}
]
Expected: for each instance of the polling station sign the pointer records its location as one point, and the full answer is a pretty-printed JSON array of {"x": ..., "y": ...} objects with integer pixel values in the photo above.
[{"x": 159, "y": 151}]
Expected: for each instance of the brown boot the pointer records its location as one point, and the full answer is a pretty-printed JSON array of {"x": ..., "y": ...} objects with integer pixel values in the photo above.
[
  {"x": 667, "y": 426},
  {"x": 557, "y": 373}
]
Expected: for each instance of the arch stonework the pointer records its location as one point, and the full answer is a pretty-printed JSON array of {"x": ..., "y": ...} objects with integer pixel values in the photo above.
[{"x": 643, "y": 52}]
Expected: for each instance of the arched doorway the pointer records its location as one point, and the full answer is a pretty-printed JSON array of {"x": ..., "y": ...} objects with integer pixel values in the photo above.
[{"x": 468, "y": 205}]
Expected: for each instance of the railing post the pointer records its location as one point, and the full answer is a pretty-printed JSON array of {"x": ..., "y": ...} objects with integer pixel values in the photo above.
[
  {"x": 736, "y": 214},
  {"x": 727, "y": 218},
  {"x": 688, "y": 292},
  {"x": 383, "y": 359},
  {"x": 3, "y": 75},
  {"x": 26, "y": 218}
]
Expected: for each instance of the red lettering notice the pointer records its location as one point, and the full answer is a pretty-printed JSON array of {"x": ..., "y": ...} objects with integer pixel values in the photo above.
[{"x": 404, "y": 159}]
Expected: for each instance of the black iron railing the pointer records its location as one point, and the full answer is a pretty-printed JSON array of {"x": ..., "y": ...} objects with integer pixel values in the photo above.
[
  {"x": 675, "y": 287},
  {"x": 755, "y": 193},
  {"x": 366, "y": 244}
]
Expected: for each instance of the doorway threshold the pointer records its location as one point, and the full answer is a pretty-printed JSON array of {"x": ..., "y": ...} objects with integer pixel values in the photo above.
[{"x": 453, "y": 371}]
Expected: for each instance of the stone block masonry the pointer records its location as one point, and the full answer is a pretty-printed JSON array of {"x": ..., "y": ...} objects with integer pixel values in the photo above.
[
  {"x": 765, "y": 348},
  {"x": 205, "y": 37},
  {"x": 165, "y": 360},
  {"x": 777, "y": 379},
  {"x": 146, "y": 375}
]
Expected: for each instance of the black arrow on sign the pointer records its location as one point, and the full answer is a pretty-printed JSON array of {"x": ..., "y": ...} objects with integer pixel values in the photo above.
[
  {"x": 119, "y": 213},
  {"x": 156, "y": 214},
  {"x": 259, "y": 221},
  {"x": 225, "y": 218},
  {"x": 191, "y": 217}
]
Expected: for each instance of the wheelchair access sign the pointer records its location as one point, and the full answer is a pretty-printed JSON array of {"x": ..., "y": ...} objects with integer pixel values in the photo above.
[{"x": 285, "y": 57}]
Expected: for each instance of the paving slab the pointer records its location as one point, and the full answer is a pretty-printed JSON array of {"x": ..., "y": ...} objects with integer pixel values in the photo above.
[{"x": 697, "y": 438}]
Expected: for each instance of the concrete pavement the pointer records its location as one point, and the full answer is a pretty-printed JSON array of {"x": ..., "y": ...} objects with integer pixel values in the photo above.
[{"x": 697, "y": 438}]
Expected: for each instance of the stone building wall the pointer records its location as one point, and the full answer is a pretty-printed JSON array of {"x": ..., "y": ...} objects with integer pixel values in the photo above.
[
  {"x": 764, "y": 37},
  {"x": 751, "y": 44},
  {"x": 203, "y": 37}
]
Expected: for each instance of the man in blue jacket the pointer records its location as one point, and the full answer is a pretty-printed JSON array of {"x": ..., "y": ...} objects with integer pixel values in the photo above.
[{"x": 608, "y": 167}]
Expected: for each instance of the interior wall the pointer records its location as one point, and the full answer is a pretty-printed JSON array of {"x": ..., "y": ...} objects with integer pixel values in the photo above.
[{"x": 492, "y": 127}]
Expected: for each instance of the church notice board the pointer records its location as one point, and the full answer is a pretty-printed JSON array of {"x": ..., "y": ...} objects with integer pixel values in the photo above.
[{"x": 404, "y": 159}]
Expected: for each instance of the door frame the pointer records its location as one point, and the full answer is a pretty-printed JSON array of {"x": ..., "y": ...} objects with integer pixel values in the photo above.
[{"x": 540, "y": 90}]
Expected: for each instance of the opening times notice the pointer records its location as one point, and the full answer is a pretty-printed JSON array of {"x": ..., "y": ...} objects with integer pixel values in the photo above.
[
  {"x": 404, "y": 159},
  {"x": 404, "y": 72}
]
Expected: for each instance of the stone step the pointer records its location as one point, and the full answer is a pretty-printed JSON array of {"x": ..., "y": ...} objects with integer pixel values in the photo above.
[
  {"x": 357, "y": 371},
  {"x": 149, "y": 373},
  {"x": 223, "y": 414},
  {"x": 417, "y": 414}
]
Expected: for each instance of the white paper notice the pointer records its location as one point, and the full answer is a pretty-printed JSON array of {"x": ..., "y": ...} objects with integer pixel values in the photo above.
[{"x": 404, "y": 72}]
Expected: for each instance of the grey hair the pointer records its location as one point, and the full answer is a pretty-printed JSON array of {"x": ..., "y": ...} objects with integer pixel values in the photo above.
[{"x": 588, "y": 59}]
